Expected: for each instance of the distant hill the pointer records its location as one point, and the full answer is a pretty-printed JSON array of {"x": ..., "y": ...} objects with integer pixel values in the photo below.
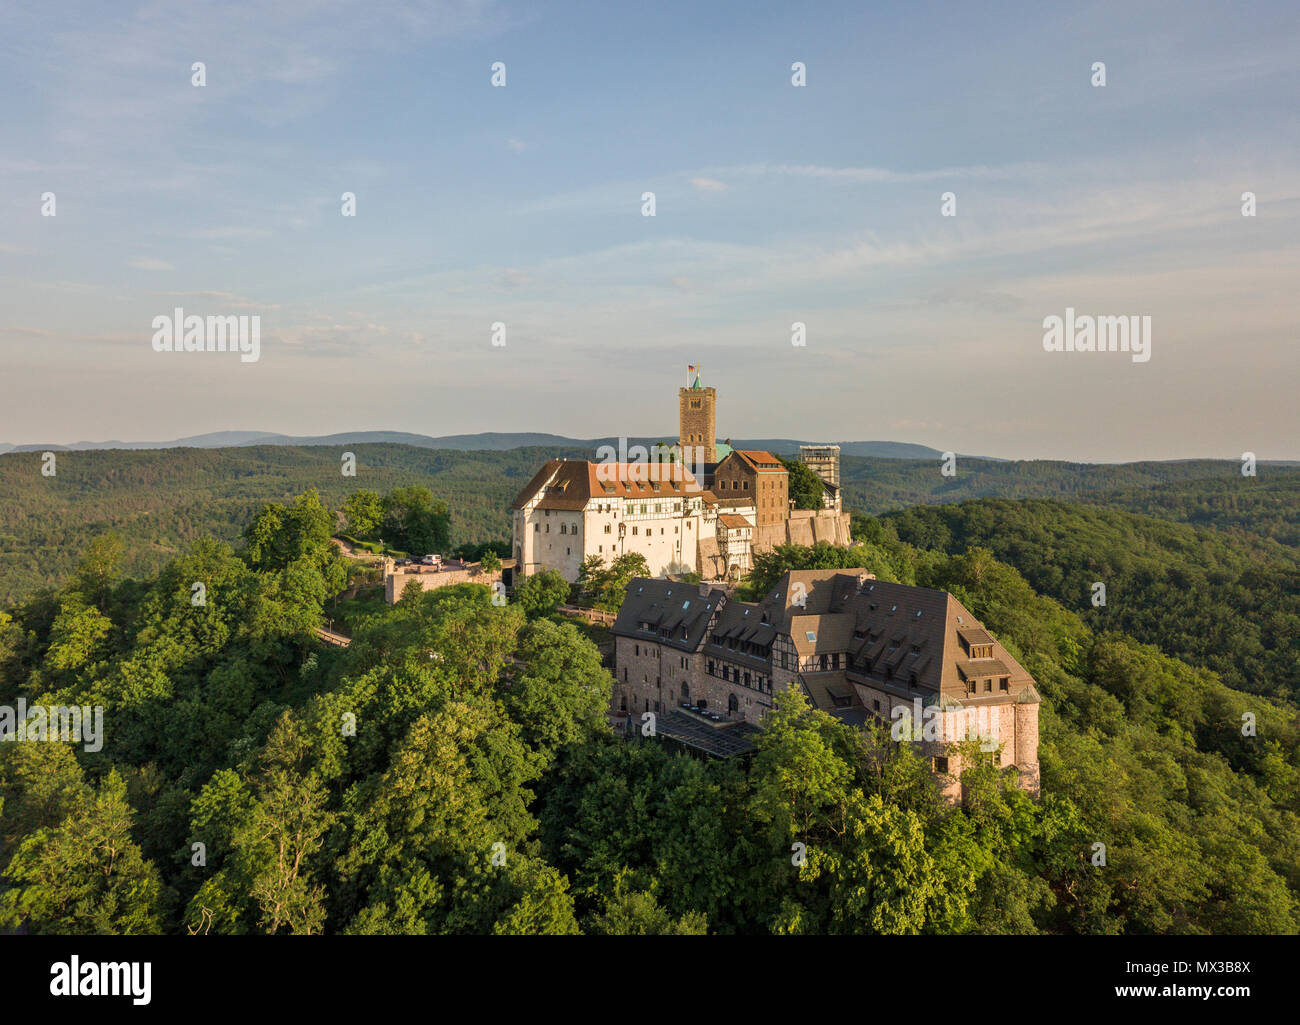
[{"x": 486, "y": 442}]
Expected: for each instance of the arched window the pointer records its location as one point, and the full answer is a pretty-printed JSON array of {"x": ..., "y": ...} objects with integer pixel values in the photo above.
[
  {"x": 733, "y": 705},
  {"x": 686, "y": 691}
]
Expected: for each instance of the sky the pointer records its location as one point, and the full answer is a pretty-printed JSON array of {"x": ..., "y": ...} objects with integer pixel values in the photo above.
[{"x": 522, "y": 205}]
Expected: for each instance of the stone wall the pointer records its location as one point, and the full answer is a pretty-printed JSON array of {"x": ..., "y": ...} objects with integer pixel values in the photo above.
[
  {"x": 649, "y": 678},
  {"x": 804, "y": 527},
  {"x": 396, "y": 580}
]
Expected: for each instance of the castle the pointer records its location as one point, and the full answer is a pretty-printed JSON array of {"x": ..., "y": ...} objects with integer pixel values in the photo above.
[
  {"x": 705, "y": 509},
  {"x": 708, "y": 666}
]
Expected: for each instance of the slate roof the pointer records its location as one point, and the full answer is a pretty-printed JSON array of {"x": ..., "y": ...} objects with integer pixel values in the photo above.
[
  {"x": 667, "y": 605},
  {"x": 903, "y": 632},
  {"x": 910, "y": 637}
]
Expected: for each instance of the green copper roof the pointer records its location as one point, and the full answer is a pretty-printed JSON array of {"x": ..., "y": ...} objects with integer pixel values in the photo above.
[
  {"x": 696, "y": 385},
  {"x": 721, "y": 451}
]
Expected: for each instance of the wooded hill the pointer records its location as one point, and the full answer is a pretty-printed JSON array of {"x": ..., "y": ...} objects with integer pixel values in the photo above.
[
  {"x": 451, "y": 771},
  {"x": 160, "y": 501}
]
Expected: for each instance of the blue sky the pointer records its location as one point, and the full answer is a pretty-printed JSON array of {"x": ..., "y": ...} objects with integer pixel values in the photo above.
[{"x": 775, "y": 204}]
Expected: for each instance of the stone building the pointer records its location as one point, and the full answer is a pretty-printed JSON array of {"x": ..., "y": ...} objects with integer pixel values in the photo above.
[
  {"x": 759, "y": 477},
  {"x": 680, "y": 521},
  {"x": 824, "y": 460},
  {"x": 698, "y": 422},
  {"x": 859, "y": 648},
  {"x": 573, "y": 509}
]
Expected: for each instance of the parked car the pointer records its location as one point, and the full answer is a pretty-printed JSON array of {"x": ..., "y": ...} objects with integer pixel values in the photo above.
[{"x": 432, "y": 560}]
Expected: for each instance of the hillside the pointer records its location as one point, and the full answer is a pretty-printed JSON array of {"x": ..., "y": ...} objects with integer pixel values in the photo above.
[
  {"x": 161, "y": 500},
  {"x": 881, "y": 485},
  {"x": 1227, "y": 601},
  {"x": 225, "y": 737}
]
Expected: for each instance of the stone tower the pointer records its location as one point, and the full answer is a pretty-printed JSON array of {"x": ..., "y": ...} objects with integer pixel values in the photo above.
[
  {"x": 698, "y": 419},
  {"x": 823, "y": 460}
]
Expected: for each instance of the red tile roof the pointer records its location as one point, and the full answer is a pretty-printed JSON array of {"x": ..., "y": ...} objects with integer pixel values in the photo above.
[{"x": 572, "y": 483}]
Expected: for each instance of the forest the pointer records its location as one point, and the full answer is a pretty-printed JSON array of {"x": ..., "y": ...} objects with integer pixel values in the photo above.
[
  {"x": 161, "y": 501},
  {"x": 451, "y": 771}
]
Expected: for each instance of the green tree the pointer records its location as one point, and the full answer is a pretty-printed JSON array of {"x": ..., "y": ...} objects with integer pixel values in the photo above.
[
  {"x": 85, "y": 876},
  {"x": 280, "y": 535},
  {"x": 274, "y": 835},
  {"x": 99, "y": 569},
  {"x": 637, "y": 913},
  {"x": 363, "y": 513},
  {"x": 541, "y": 593},
  {"x": 806, "y": 488},
  {"x": 607, "y": 585},
  {"x": 562, "y": 694},
  {"x": 415, "y": 522}
]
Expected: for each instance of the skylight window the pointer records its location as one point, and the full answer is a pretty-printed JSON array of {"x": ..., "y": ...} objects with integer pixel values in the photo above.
[
  {"x": 686, "y": 604},
  {"x": 812, "y": 637}
]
